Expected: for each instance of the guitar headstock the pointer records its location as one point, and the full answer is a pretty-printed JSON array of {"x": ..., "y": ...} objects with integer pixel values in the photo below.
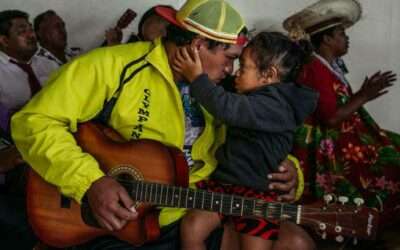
[
  {"x": 126, "y": 19},
  {"x": 339, "y": 221}
]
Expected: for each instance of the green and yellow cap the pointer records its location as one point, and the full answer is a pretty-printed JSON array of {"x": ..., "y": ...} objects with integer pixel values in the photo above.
[{"x": 214, "y": 19}]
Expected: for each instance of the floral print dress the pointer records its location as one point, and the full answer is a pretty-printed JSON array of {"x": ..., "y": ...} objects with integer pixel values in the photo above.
[{"x": 354, "y": 159}]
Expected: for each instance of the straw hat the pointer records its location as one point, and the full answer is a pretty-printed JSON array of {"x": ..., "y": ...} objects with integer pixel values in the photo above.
[{"x": 323, "y": 15}]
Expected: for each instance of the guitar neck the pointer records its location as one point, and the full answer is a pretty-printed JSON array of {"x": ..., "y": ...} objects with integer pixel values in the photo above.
[{"x": 171, "y": 196}]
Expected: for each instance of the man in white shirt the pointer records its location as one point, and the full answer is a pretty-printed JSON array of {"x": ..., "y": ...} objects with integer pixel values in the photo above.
[
  {"x": 22, "y": 72},
  {"x": 52, "y": 37},
  {"x": 15, "y": 90},
  {"x": 22, "y": 75},
  {"x": 18, "y": 46}
]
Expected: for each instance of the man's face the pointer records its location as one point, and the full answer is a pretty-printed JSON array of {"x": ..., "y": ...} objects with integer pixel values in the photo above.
[
  {"x": 218, "y": 61},
  {"x": 52, "y": 32},
  {"x": 339, "y": 41},
  {"x": 21, "y": 40}
]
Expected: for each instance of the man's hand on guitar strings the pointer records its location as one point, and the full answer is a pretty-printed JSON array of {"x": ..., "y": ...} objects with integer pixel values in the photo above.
[{"x": 110, "y": 203}]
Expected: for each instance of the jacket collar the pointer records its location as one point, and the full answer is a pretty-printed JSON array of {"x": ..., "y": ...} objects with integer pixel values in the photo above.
[{"x": 159, "y": 59}]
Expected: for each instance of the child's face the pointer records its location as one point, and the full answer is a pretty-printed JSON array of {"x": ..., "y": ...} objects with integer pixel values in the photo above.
[{"x": 248, "y": 76}]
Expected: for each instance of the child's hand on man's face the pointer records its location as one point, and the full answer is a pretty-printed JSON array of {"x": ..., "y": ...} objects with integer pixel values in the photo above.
[{"x": 187, "y": 62}]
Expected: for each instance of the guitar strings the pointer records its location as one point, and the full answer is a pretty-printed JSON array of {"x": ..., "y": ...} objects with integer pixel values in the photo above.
[
  {"x": 272, "y": 208},
  {"x": 216, "y": 195},
  {"x": 327, "y": 213},
  {"x": 289, "y": 208},
  {"x": 204, "y": 195}
]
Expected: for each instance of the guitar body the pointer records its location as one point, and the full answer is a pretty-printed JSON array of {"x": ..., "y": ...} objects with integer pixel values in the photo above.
[{"x": 57, "y": 220}]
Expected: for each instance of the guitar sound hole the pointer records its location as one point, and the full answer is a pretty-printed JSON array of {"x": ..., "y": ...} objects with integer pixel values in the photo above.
[
  {"x": 65, "y": 202},
  {"x": 126, "y": 180}
]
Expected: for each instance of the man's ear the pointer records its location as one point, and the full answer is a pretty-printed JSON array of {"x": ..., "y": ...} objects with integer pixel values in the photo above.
[
  {"x": 199, "y": 43},
  {"x": 327, "y": 39},
  {"x": 3, "y": 41},
  {"x": 38, "y": 36}
]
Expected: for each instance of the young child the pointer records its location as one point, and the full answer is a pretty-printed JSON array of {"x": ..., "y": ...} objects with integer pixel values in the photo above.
[{"x": 261, "y": 118}]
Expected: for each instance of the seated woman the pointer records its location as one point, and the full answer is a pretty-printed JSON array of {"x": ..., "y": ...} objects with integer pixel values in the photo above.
[{"x": 341, "y": 148}]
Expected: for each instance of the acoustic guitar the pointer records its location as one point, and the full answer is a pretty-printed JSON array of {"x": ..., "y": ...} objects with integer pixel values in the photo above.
[{"x": 156, "y": 175}]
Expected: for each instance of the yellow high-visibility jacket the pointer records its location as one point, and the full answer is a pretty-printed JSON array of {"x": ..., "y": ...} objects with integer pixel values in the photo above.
[{"x": 77, "y": 92}]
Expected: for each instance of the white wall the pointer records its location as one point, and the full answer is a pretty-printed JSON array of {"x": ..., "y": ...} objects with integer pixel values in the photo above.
[
  {"x": 86, "y": 20},
  {"x": 375, "y": 40}
]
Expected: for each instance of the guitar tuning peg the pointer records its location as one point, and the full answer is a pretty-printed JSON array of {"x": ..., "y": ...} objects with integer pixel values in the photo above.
[
  {"x": 339, "y": 238},
  {"x": 338, "y": 229},
  {"x": 343, "y": 199},
  {"x": 358, "y": 201},
  {"x": 328, "y": 198},
  {"x": 323, "y": 235},
  {"x": 355, "y": 241}
]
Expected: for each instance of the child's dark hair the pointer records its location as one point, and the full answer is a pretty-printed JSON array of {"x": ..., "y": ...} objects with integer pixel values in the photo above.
[{"x": 275, "y": 48}]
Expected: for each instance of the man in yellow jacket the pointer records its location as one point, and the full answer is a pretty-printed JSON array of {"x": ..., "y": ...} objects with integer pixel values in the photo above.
[{"x": 151, "y": 105}]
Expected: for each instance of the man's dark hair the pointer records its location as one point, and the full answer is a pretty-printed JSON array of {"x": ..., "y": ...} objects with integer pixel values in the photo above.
[
  {"x": 7, "y": 16},
  {"x": 318, "y": 38},
  {"x": 179, "y": 36},
  {"x": 41, "y": 17},
  {"x": 182, "y": 37}
]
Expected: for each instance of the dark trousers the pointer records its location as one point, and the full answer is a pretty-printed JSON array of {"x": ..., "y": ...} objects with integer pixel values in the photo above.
[{"x": 15, "y": 232}]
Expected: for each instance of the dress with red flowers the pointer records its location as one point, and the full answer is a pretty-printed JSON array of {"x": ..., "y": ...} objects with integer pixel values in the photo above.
[{"x": 356, "y": 158}]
